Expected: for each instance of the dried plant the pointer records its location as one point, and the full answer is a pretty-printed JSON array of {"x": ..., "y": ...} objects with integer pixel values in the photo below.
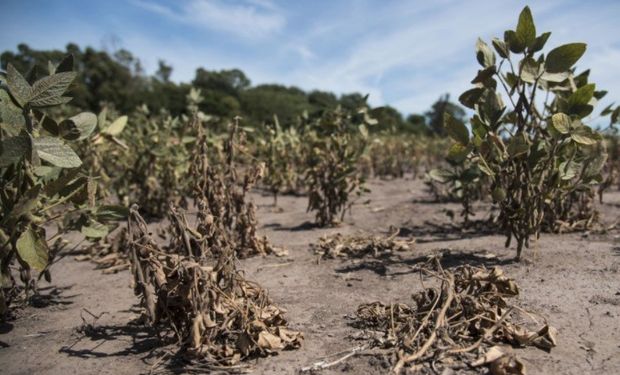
[
  {"x": 465, "y": 318},
  {"x": 111, "y": 253},
  {"x": 220, "y": 191},
  {"x": 359, "y": 246},
  {"x": 193, "y": 290}
]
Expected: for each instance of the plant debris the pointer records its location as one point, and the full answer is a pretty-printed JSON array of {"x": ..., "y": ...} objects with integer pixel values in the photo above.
[
  {"x": 359, "y": 246},
  {"x": 110, "y": 254},
  {"x": 193, "y": 290},
  {"x": 465, "y": 319}
]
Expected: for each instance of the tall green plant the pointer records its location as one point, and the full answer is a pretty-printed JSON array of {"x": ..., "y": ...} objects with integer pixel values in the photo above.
[
  {"x": 40, "y": 175},
  {"x": 536, "y": 150},
  {"x": 335, "y": 142},
  {"x": 280, "y": 150}
]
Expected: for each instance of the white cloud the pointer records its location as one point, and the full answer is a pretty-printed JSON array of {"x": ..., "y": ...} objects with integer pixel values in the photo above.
[
  {"x": 408, "y": 54},
  {"x": 405, "y": 54},
  {"x": 250, "y": 19}
]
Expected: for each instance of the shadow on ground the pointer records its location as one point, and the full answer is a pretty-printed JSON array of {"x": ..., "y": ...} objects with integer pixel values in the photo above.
[
  {"x": 141, "y": 340},
  {"x": 434, "y": 232},
  {"x": 398, "y": 266}
]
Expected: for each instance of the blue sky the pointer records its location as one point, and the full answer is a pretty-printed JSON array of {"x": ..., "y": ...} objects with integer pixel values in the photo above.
[{"x": 402, "y": 53}]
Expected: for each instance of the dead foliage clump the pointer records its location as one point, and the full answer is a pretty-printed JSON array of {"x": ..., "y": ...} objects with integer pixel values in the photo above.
[
  {"x": 220, "y": 190},
  {"x": 109, "y": 254},
  {"x": 193, "y": 290},
  {"x": 461, "y": 323},
  {"x": 359, "y": 246}
]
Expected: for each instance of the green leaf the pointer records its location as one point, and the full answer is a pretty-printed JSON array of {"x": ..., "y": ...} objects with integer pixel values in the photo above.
[
  {"x": 484, "y": 54},
  {"x": 58, "y": 185},
  {"x": 530, "y": 70},
  {"x": 79, "y": 126},
  {"x": 540, "y": 42},
  {"x": 10, "y": 114},
  {"x": 581, "y": 102},
  {"x": 440, "y": 175},
  {"x": 33, "y": 250},
  {"x": 555, "y": 77},
  {"x": 526, "y": 30},
  {"x": 485, "y": 77},
  {"x": 498, "y": 194},
  {"x": 484, "y": 167},
  {"x": 54, "y": 151},
  {"x": 584, "y": 135},
  {"x": 66, "y": 65},
  {"x": 94, "y": 230},
  {"x": 561, "y": 122},
  {"x": 562, "y": 58},
  {"x": 13, "y": 149},
  {"x": 470, "y": 97},
  {"x": 595, "y": 165},
  {"x": 48, "y": 90},
  {"x": 501, "y": 48},
  {"x": 456, "y": 129},
  {"x": 569, "y": 170},
  {"x": 46, "y": 122},
  {"x": 582, "y": 95},
  {"x": 18, "y": 86},
  {"x": 102, "y": 117},
  {"x": 518, "y": 146},
  {"x": 458, "y": 153},
  {"x": 514, "y": 43},
  {"x": 111, "y": 213},
  {"x": 116, "y": 127}
]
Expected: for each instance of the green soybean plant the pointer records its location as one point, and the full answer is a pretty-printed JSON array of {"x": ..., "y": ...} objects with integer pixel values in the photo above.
[
  {"x": 42, "y": 183},
  {"x": 528, "y": 131},
  {"x": 335, "y": 142},
  {"x": 280, "y": 150}
]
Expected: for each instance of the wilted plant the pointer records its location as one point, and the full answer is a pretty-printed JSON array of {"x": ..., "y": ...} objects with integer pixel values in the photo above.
[
  {"x": 40, "y": 176},
  {"x": 359, "y": 246},
  {"x": 335, "y": 142},
  {"x": 537, "y": 152},
  {"x": 192, "y": 289},
  {"x": 220, "y": 191},
  {"x": 461, "y": 315}
]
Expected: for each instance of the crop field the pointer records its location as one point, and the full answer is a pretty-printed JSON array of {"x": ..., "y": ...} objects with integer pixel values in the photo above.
[{"x": 154, "y": 227}]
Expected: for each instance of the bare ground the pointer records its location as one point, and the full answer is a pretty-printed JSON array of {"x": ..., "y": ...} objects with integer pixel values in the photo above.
[{"x": 573, "y": 279}]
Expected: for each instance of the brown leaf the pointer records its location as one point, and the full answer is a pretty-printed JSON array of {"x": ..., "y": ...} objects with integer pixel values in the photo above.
[{"x": 269, "y": 341}]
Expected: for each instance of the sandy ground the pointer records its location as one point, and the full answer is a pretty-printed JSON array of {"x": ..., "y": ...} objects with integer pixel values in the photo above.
[{"x": 573, "y": 279}]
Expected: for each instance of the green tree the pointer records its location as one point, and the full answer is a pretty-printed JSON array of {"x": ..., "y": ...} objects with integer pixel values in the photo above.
[{"x": 437, "y": 112}]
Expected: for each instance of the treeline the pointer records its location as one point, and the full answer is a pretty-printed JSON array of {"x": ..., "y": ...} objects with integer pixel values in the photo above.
[{"x": 118, "y": 80}]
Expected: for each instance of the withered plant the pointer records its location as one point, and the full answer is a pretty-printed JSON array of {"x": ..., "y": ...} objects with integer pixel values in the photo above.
[
  {"x": 461, "y": 318},
  {"x": 354, "y": 246},
  {"x": 220, "y": 191},
  {"x": 192, "y": 289}
]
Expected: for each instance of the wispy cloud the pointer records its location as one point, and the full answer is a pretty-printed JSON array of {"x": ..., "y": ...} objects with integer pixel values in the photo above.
[
  {"x": 247, "y": 19},
  {"x": 405, "y": 54}
]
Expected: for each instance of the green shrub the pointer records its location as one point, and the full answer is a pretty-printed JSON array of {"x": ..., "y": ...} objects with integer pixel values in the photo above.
[{"x": 539, "y": 155}]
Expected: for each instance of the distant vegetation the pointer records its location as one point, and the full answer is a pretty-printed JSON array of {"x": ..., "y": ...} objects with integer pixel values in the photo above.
[{"x": 117, "y": 80}]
